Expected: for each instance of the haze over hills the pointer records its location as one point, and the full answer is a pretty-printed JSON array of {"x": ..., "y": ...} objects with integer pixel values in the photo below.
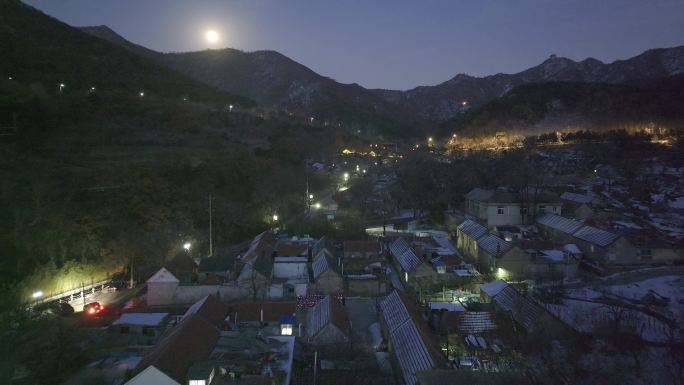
[{"x": 277, "y": 81}]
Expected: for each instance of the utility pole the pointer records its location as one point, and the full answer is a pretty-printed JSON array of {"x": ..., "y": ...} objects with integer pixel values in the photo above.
[{"x": 211, "y": 243}]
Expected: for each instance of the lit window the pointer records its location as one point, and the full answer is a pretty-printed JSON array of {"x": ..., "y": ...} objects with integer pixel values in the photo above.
[
  {"x": 286, "y": 329},
  {"x": 197, "y": 382},
  {"x": 500, "y": 210}
]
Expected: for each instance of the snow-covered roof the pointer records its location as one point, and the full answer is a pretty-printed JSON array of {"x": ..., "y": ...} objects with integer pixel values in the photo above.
[
  {"x": 559, "y": 223},
  {"x": 161, "y": 276},
  {"x": 412, "y": 354},
  {"x": 574, "y": 197},
  {"x": 494, "y": 245},
  {"x": 572, "y": 248},
  {"x": 144, "y": 319},
  {"x": 555, "y": 255},
  {"x": 408, "y": 260},
  {"x": 493, "y": 288},
  {"x": 472, "y": 229},
  {"x": 596, "y": 236},
  {"x": 448, "y": 306}
]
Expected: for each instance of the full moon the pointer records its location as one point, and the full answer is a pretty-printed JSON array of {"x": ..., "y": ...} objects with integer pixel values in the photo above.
[{"x": 211, "y": 36}]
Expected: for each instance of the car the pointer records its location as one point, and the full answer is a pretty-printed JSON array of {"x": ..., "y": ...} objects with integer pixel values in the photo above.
[
  {"x": 92, "y": 308},
  {"x": 53, "y": 308}
]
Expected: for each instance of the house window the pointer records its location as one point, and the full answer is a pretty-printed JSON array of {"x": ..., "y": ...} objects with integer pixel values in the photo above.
[
  {"x": 542, "y": 209},
  {"x": 523, "y": 211},
  {"x": 645, "y": 254},
  {"x": 197, "y": 382},
  {"x": 286, "y": 329},
  {"x": 500, "y": 210},
  {"x": 555, "y": 209}
]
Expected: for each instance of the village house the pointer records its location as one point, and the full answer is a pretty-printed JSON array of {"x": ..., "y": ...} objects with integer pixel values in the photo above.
[
  {"x": 190, "y": 341},
  {"x": 161, "y": 288},
  {"x": 467, "y": 234},
  {"x": 521, "y": 308},
  {"x": 557, "y": 228},
  {"x": 327, "y": 323},
  {"x": 362, "y": 249},
  {"x": 413, "y": 347},
  {"x": 501, "y": 207},
  {"x": 606, "y": 248},
  {"x": 147, "y": 326},
  {"x": 578, "y": 205},
  {"x": 327, "y": 274},
  {"x": 410, "y": 266}
]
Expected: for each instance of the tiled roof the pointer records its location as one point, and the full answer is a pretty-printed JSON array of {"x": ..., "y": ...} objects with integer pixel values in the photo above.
[
  {"x": 408, "y": 260},
  {"x": 210, "y": 308},
  {"x": 559, "y": 223},
  {"x": 596, "y": 236},
  {"x": 472, "y": 229},
  {"x": 494, "y": 245},
  {"x": 188, "y": 342},
  {"x": 398, "y": 246},
  {"x": 324, "y": 312},
  {"x": 469, "y": 322},
  {"x": 523, "y": 310},
  {"x": 574, "y": 197},
  {"x": 320, "y": 265},
  {"x": 408, "y": 345},
  {"x": 478, "y": 194},
  {"x": 292, "y": 249},
  {"x": 362, "y": 247}
]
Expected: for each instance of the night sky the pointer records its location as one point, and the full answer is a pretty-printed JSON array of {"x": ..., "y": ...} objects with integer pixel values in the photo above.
[{"x": 391, "y": 43}]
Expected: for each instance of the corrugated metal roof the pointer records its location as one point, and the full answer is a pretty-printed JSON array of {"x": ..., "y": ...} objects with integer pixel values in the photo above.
[
  {"x": 409, "y": 348},
  {"x": 494, "y": 245},
  {"x": 559, "y": 223},
  {"x": 574, "y": 197},
  {"x": 409, "y": 261},
  {"x": 318, "y": 316},
  {"x": 596, "y": 236},
  {"x": 472, "y": 229}
]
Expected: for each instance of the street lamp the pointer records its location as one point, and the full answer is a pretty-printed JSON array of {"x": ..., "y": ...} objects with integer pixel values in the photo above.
[
  {"x": 230, "y": 108},
  {"x": 37, "y": 294},
  {"x": 187, "y": 246},
  {"x": 317, "y": 205},
  {"x": 275, "y": 217},
  {"x": 61, "y": 86},
  {"x": 346, "y": 176}
]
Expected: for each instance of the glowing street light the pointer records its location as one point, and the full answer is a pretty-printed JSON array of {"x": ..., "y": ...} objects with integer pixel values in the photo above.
[
  {"x": 61, "y": 87},
  {"x": 142, "y": 94},
  {"x": 346, "y": 176},
  {"x": 317, "y": 205},
  {"x": 275, "y": 217},
  {"x": 310, "y": 196},
  {"x": 37, "y": 294},
  {"x": 187, "y": 246}
]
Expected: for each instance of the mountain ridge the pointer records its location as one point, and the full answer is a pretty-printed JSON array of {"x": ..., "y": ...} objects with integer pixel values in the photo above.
[{"x": 277, "y": 81}]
